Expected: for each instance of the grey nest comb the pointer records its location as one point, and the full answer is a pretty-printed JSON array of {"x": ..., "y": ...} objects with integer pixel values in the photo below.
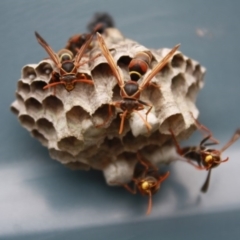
[{"x": 65, "y": 122}]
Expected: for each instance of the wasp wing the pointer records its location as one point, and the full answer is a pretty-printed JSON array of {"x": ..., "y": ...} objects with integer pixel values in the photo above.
[
  {"x": 48, "y": 49},
  {"x": 158, "y": 68},
  {"x": 110, "y": 60}
]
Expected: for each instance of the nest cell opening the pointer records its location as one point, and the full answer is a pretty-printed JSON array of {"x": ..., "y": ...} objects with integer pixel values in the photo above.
[
  {"x": 166, "y": 70},
  {"x": 114, "y": 145},
  {"x": 76, "y": 115},
  {"x": 102, "y": 114},
  {"x": 189, "y": 66},
  {"x": 177, "y": 61},
  {"x": 33, "y": 106},
  {"x": 19, "y": 98},
  {"x": 37, "y": 87},
  {"x": 44, "y": 69},
  {"x": 175, "y": 122},
  {"x": 27, "y": 121},
  {"x": 53, "y": 105},
  {"x": 197, "y": 73},
  {"x": 23, "y": 88},
  {"x": 71, "y": 145},
  {"x": 40, "y": 137},
  {"x": 14, "y": 110},
  {"x": 192, "y": 92},
  {"x": 123, "y": 62},
  {"x": 178, "y": 85},
  {"x": 46, "y": 127},
  {"x": 28, "y": 73}
]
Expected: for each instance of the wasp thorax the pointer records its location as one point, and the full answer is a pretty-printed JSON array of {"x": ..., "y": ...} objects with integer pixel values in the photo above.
[
  {"x": 131, "y": 88},
  {"x": 68, "y": 66}
]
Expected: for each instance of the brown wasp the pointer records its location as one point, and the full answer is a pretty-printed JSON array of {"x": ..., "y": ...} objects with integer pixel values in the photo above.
[
  {"x": 146, "y": 180},
  {"x": 206, "y": 158},
  {"x": 78, "y": 40},
  {"x": 139, "y": 65},
  {"x": 130, "y": 91},
  {"x": 67, "y": 65}
]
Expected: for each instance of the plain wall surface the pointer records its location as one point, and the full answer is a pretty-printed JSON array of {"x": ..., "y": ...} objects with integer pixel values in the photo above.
[{"x": 40, "y": 199}]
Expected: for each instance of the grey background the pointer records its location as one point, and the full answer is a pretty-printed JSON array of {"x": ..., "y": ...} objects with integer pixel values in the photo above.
[{"x": 40, "y": 199}]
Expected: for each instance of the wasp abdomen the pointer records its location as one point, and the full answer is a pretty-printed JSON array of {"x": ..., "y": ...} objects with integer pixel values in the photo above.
[{"x": 139, "y": 65}]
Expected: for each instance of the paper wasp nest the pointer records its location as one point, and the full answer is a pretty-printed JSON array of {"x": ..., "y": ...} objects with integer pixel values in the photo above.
[{"x": 66, "y": 122}]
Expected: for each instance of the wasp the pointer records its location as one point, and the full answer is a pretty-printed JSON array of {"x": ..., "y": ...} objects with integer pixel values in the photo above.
[
  {"x": 77, "y": 41},
  {"x": 130, "y": 91},
  {"x": 139, "y": 65},
  {"x": 68, "y": 74},
  {"x": 206, "y": 158},
  {"x": 147, "y": 180},
  {"x": 99, "y": 23}
]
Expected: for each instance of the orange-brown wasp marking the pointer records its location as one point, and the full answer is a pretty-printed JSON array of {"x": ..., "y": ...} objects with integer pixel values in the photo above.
[
  {"x": 68, "y": 74},
  {"x": 131, "y": 90},
  {"x": 139, "y": 65},
  {"x": 206, "y": 158},
  {"x": 146, "y": 180}
]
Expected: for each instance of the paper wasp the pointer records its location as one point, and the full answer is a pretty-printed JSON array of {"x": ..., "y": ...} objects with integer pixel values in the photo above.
[
  {"x": 206, "y": 158},
  {"x": 139, "y": 65},
  {"x": 130, "y": 91},
  {"x": 99, "y": 23},
  {"x": 67, "y": 65},
  {"x": 147, "y": 180},
  {"x": 77, "y": 41}
]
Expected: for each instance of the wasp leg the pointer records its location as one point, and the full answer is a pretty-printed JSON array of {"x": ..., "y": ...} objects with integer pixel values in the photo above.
[
  {"x": 122, "y": 116},
  {"x": 88, "y": 81},
  {"x": 203, "y": 128},
  {"x": 204, "y": 144},
  {"x": 148, "y": 105},
  {"x": 179, "y": 150},
  {"x": 53, "y": 84},
  {"x": 146, "y": 163},
  {"x": 146, "y": 123}
]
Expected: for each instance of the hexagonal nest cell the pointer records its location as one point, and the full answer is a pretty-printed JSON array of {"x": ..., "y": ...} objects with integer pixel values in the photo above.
[{"x": 76, "y": 126}]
